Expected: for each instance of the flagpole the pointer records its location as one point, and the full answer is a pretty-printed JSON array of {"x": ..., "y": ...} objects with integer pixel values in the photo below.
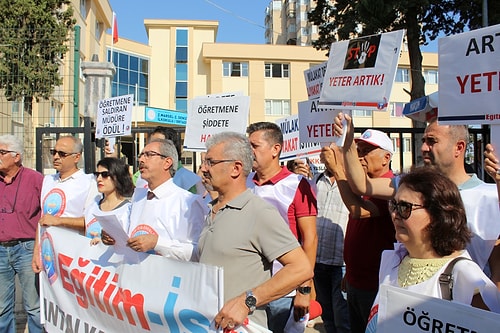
[{"x": 112, "y": 36}]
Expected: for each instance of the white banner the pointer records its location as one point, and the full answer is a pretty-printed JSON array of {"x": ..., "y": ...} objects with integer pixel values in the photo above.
[
  {"x": 469, "y": 77},
  {"x": 361, "y": 72},
  {"x": 208, "y": 116},
  {"x": 314, "y": 80},
  {"x": 292, "y": 146},
  {"x": 403, "y": 311},
  {"x": 88, "y": 288},
  {"x": 114, "y": 117}
]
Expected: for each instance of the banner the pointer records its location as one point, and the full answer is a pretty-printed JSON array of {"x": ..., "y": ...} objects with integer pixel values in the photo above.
[
  {"x": 209, "y": 115},
  {"x": 292, "y": 146},
  {"x": 403, "y": 311},
  {"x": 114, "y": 117},
  {"x": 314, "y": 80},
  {"x": 469, "y": 77},
  {"x": 100, "y": 288},
  {"x": 361, "y": 71}
]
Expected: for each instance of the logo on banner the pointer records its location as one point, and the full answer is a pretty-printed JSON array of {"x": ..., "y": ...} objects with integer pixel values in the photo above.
[
  {"x": 362, "y": 52},
  {"x": 48, "y": 257},
  {"x": 54, "y": 202},
  {"x": 144, "y": 229}
]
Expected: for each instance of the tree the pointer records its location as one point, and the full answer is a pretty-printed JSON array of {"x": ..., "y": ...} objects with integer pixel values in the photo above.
[
  {"x": 33, "y": 39},
  {"x": 423, "y": 20}
]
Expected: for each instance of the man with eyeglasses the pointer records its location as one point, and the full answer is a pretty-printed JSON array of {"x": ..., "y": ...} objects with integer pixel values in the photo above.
[
  {"x": 20, "y": 190},
  {"x": 244, "y": 234},
  {"x": 165, "y": 219},
  {"x": 444, "y": 147},
  {"x": 294, "y": 198},
  {"x": 370, "y": 230},
  {"x": 67, "y": 193}
]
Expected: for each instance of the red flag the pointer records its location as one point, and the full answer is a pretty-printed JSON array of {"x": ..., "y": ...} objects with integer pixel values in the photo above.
[{"x": 115, "y": 29}]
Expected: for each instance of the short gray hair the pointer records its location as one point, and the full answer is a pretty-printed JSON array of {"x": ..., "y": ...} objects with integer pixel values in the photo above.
[
  {"x": 167, "y": 148},
  {"x": 13, "y": 143},
  {"x": 77, "y": 143},
  {"x": 236, "y": 146}
]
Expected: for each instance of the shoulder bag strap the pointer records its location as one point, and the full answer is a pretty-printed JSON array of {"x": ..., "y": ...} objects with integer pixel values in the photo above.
[{"x": 446, "y": 279}]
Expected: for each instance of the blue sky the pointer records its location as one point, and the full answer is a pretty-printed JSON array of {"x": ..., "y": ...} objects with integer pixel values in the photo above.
[{"x": 240, "y": 21}]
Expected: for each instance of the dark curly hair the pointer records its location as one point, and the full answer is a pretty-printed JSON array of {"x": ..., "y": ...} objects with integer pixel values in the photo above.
[
  {"x": 120, "y": 175},
  {"x": 448, "y": 228}
]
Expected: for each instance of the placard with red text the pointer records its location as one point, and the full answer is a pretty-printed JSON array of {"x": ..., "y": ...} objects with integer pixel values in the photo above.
[
  {"x": 469, "y": 77},
  {"x": 361, "y": 71}
]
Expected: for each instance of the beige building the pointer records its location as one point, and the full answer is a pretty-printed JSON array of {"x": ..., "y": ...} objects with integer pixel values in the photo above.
[{"x": 186, "y": 62}]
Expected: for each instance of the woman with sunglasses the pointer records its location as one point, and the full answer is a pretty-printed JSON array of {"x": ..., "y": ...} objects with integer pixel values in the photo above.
[
  {"x": 431, "y": 227},
  {"x": 115, "y": 183}
]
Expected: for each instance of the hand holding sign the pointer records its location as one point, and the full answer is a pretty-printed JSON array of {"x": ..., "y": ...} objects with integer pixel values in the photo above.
[{"x": 344, "y": 130}]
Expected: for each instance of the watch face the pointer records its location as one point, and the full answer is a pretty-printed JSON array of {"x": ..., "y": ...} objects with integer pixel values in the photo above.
[{"x": 251, "y": 301}]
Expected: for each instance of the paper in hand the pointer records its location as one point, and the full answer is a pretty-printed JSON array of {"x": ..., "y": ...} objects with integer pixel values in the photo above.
[{"x": 113, "y": 227}]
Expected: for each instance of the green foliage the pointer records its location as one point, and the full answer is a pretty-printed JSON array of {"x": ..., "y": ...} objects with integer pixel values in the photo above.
[{"x": 33, "y": 39}]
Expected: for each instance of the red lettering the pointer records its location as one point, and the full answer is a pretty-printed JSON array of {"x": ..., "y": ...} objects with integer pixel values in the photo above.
[
  {"x": 477, "y": 84},
  {"x": 64, "y": 263}
]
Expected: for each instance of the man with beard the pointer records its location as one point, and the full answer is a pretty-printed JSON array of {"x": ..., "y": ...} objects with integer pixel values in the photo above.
[{"x": 443, "y": 147}]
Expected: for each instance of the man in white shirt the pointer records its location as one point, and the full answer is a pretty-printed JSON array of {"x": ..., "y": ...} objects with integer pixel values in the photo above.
[
  {"x": 66, "y": 193},
  {"x": 165, "y": 218}
]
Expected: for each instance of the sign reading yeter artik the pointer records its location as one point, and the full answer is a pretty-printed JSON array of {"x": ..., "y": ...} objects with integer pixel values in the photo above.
[{"x": 114, "y": 117}]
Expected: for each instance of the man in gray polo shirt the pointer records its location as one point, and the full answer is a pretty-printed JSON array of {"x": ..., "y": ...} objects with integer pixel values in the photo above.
[{"x": 244, "y": 234}]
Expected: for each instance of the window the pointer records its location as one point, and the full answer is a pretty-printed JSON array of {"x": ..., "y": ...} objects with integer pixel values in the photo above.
[
  {"x": 131, "y": 77},
  {"x": 361, "y": 113},
  {"x": 396, "y": 109},
  {"x": 181, "y": 50},
  {"x": 235, "y": 69},
  {"x": 181, "y": 89},
  {"x": 181, "y": 69},
  {"x": 276, "y": 70},
  {"x": 98, "y": 29},
  {"x": 431, "y": 76},
  {"x": 304, "y": 31},
  {"x": 83, "y": 8},
  {"x": 402, "y": 75},
  {"x": 277, "y": 107}
]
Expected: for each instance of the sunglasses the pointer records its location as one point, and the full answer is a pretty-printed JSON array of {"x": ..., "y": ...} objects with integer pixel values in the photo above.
[
  {"x": 403, "y": 208},
  {"x": 103, "y": 174},
  {"x": 61, "y": 154}
]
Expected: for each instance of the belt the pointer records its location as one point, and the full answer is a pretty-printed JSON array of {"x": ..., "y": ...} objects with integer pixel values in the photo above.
[{"x": 15, "y": 242}]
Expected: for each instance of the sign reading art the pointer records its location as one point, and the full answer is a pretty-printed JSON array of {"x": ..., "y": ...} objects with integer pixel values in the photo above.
[
  {"x": 469, "y": 77},
  {"x": 361, "y": 71}
]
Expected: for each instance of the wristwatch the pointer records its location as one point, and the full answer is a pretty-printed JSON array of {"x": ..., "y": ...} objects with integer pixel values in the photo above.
[
  {"x": 250, "y": 301},
  {"x": 304, "y": 290}
]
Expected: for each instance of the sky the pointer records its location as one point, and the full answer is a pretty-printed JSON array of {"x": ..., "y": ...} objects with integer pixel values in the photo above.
[{"x": 240, "y": 21}]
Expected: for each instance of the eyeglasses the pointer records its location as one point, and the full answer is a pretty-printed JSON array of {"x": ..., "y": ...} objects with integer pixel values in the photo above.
[
  {"x": 210, "y": 163},
  {"x": 403, "y": 208},
  {"x": 103, "y": 174},
  {"x": 3, "y": 152},
  {"x": 149, "y": 154},
  {"x": 61, "y": 154}
]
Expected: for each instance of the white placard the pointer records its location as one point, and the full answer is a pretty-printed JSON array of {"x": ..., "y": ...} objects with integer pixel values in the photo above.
[
  {"x": 469, "y": 77},
  {"x": 208, "y": 116},
  {"x": 292, "y": 146},
  {"x": 114, "y": 116},
  {"x": 314, "y": 77},
  {"x": 361, "y": 71},
  {"x": 404, "y": 311}
]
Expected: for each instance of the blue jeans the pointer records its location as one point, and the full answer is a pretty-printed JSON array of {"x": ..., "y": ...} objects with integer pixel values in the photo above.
[
  {"x": 278, "y": 312},
  {"x": 327, "y": 279},
  {"x": 360, "y": 303},
  {"x": 17, "y": 260}
]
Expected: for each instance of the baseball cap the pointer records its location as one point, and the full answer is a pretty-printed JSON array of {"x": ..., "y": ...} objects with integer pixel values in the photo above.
[{"x": 377, "y": 138}]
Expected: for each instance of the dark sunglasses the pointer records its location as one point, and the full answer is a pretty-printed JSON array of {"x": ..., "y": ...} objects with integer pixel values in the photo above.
[
  {"x": 103, "y": 174},
  {"x": 61, "y": 154},
  {"x": 403, "y": 208}
]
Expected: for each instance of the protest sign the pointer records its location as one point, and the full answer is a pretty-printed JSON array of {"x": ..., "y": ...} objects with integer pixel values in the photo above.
[
  {"x": 400, "y": 310},
  {"x": 292, "y": 146},
  {"x": 114, "y": 117},
  {"x": 164, "y": 116},
  {"x": 314, "y": 80},
  {"x": 208, "y": 116},
  {"x": 469, "y": 77},
  {"x": 361, "y": 71}
]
